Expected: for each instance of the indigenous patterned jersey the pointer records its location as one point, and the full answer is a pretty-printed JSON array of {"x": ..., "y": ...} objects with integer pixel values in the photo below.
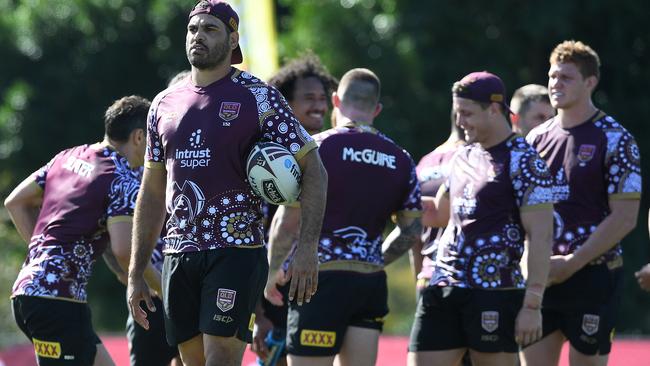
[
  {"x": 591, "y": 163},
  {"x": 488, "y": 188},
  {"x": 202, "y": 136},
  {"x": 369, "y": 178},
  {"x": 433, "y": 171},
  {"x": 84, "y": 188}
]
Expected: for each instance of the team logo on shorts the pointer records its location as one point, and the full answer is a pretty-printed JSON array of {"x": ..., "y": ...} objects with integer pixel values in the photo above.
[
  {"x": 317, "y": 338},
  {"x": 226, "y": 299},
  {"x": 229, "y": 111},
  {"x": 47, "y": 349},
  {"x": 585, "y": 153},
  {"x": 490, "y": 321},
  {"x": 590, "y": 323}
]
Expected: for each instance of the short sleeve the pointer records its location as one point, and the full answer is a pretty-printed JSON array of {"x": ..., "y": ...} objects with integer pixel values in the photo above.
[
  {"x": 412, "y": 205},
  {"x": 531, "y": 180},
  {"x": 279, "y": 125},
  {"x": 122, "y": 196},
  {"x": 154, "y": 155},
  {"x": 40, "y": 176},
  {"x": 622, "y": 166}
]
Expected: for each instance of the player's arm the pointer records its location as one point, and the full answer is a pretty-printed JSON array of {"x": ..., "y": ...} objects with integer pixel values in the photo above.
[
  {"x": 148, "y": 221},
  {"x": 643, "y": 275},
  {"x": 283, "y": 232},
  {"x": 119, "y": 231},
  {"x": 415, "y": 258},
  {"x": 23, "y": 206},
  {"x": 303, "y": 269},
  {"x": 538, "y": 224},
  {"x": 435, "y": 210},
  {"x": 114, "y": 265},
  {"x": 621, "y": 220},
  {"x": 407, "y": 233}
]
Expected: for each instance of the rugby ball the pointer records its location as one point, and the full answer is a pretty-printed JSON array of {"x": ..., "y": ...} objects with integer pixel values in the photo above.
[{"x": 273, "y": 173}]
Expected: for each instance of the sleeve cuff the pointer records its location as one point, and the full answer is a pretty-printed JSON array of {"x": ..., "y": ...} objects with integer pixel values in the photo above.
[
  {"x": 311, "y": 145},
  {"x": 410, "y": 213},
  {"x": 538, "y": 207},
  {"x": 625, "y": 196},
  {"x": 154, "y": 165},
  {"x": 116, "y": 219}
]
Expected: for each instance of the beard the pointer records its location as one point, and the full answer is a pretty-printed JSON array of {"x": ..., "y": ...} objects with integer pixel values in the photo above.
[{"x": 214, "y": 57}]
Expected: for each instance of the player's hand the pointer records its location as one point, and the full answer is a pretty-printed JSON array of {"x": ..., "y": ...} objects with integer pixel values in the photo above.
[
  {"x": 137, "y": 291},
  {"x": 262, "y": 327},
  {"x": 643, "y": 277},
  {"x": 303, "y": 272},
  {"x": 271, "y": 291},
  {"x": 528, "y": 326},
  {"x": 561, "y": 268}
]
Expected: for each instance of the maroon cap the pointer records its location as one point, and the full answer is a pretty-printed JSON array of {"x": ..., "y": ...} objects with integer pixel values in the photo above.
[
  {"x": 227, "y": 15},
  {"x": 482, "y": 87}
]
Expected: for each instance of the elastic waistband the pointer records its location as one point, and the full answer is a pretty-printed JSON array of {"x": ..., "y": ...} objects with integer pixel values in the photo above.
[{"x": 352, "y": 266}]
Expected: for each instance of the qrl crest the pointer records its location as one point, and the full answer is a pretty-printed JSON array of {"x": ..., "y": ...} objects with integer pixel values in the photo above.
[
  {"x": 229, "y": 111},
  {"x": 586, "y": 153},
  {"x": 226, "y": 299},
  {"x": 490, "y": 321},
  {"x": 590, "y": 323}
]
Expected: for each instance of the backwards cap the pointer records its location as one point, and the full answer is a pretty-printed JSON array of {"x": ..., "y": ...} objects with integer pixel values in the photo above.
[{"x": 224, "y": 12}]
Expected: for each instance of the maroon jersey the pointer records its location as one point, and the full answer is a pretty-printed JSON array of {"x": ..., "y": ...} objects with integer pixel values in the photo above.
[
  {"x": 370, "y": 178},
  {"x": 84, "y": 188},
  {"x": 591, "y": 163},
  {"x": 433, "y": 171},
  {"x": 488, "y": 188},
  {"x": 202, "y": 137}
]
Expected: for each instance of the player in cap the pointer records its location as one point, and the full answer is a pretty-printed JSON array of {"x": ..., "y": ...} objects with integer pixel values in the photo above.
[
  {"x": 346, "y": 316},
  {"x": 200, "y": 132},
  {"x": 530, "y": 107},
  {"x": 497, "y": 200},
  {"x": 595, "y": 163},
  {"x": 307, "y": 85},
  {"x": 69, "y": 211}
]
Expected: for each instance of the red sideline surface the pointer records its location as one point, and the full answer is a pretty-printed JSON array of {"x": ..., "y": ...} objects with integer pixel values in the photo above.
[{"x": 392, "y": 351}]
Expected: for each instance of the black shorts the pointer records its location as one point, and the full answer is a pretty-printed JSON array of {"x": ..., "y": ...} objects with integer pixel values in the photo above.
[
  {"x": 584, "y": 308},
  {"x": 451, "y": 317},
  {"x": 60, "y": 330},
  {"x": 149, "y": 347},
  {"x": 212, "y": 292},
  {"x": 343, "y": 299}
]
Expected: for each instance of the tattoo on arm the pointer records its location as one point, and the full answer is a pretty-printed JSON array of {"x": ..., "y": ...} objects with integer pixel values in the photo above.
[{"x": 401, "y": 239}]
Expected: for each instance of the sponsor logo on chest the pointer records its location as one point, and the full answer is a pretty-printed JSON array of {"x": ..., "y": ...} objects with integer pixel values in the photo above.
[
  {"x": 228, "y": 112},
  {"x": 196, "y": 156}
]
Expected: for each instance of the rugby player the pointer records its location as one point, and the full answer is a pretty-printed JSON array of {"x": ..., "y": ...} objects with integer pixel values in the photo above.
[
  {"x": 497, "y": 200},
  {"x": 595, "y": 164},
  {"x": 306, "y": 84},
  {"x": 200, "y": 132},
  {"x": 530, "y": 106},
  {"x": 371, "y": 178},
  {"x": 433, "y": 170},
  {"x": 68, "y": 211}
]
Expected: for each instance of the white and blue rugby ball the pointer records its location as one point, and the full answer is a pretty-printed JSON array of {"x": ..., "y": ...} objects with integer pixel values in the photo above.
[{"x": 273, "y": 173}]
